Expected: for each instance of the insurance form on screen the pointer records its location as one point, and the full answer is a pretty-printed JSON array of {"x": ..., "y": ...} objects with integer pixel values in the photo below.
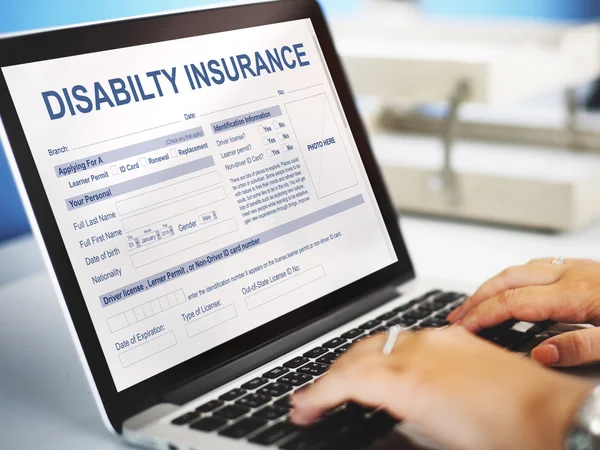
[{"x": 202, "y": 187}]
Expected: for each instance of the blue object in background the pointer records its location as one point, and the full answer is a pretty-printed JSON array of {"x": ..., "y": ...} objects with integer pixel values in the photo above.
[
  {"x": 19, "y": 15},
  {"x": 545, "y": 9},
  {"x": 13, "y": 221}
]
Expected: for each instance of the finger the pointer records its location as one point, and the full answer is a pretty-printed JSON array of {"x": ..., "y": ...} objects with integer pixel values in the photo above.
[
  {"x": 532, "y": 304},
  {"x": 569, "y": 349},
  {"x": 511, "y": 278},
  {"x": 362, "y": 366},
  {"x": 566, "y": 262},
  {"x": 368, "y": 383}
]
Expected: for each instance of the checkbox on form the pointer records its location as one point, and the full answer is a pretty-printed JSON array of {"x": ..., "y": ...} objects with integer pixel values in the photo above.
[
  {"x": 114, "y": 170},
  {"x": 174, "y": 153},
  {"x": 143, "y": 162},
  {"x": 261, "y": 129}
]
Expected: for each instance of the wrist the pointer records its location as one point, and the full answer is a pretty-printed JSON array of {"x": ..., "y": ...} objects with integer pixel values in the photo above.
[
  {"x": 557, "y": 409},
  {"x": 584, "y": 433}
]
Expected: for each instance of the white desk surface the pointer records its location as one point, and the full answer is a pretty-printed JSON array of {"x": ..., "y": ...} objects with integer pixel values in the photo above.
[{"x": 44, "y": 398}]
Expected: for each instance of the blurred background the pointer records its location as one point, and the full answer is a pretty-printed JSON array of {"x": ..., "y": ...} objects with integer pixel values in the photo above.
[{"x": 477, "y": 110}]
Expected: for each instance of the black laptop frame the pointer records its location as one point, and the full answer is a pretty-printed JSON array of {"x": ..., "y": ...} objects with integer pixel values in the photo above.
[{"x": 138, "y": 31}]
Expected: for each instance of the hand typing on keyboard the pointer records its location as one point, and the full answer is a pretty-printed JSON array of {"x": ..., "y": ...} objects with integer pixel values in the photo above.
[
  {"x": 540, "y": 291},
  {"x": 462, "y": 391}
]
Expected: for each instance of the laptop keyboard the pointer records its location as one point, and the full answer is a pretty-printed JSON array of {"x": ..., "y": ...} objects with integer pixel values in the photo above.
[{"x": 258, "y": 410}]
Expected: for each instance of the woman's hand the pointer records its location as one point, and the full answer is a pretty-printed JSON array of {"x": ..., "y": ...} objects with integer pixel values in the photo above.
[
  {"x": 460, "y": 390},
  {"x": 541, "y": 291}
]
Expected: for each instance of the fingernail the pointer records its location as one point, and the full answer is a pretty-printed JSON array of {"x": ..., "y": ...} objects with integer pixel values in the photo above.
[
  {"x": 456, "y": 324},
  {"x": 458, "y": 314},
  {"x": 546, "y": 354}
]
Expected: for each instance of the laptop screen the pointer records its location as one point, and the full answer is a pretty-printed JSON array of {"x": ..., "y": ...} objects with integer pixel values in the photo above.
[{"x": 202, "y": 186}]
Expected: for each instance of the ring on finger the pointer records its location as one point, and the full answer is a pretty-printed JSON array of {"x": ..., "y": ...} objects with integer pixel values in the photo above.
[{"x": 392, "y": 336}]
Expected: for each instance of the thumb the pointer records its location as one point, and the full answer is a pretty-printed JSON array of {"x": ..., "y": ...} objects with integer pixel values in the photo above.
[{"x": 569, "y": 349}]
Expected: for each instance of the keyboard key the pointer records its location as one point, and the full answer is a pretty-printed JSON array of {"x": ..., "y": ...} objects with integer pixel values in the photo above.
[
  {"x": 512, "y": 339},
  {"x": 358, "y": 408},
  {"x": 253, "y": 400},
  {"x": 275, "y": 433},
  {"x": 378, "y": 330},
  {"x": 210, "y": 406},
  {"x": 429, "y": 294},
  {"x": 314, "y": 368},
  {"x": 496, "y": 331},
  {"x": 272, "y": 412},
  {"x": 309, "y": 436},
  {"x": 275, "y": 389},
  {"x": 523, "y": 327},
  {"x": 329, "y": 358},
  {"x": 255, "y": 383},
  {"x": 449, "y": 297},
  {"x": 304, "y": 441},
  {"x": 231, "y": 411},
  {"x": 352, "y": 333},
  {"x": 381, "y": 422},
  {"x": 276, "y": 372},
  {"x": 232, "y": 395},
  {"x": 243, "y": 427},
  {"x": 335, "y": 342},
  {"x": 408, "y": 321},
  {"x": 417, "y": 314},
  {"x": 185, "y": 419},
  {"x": 296, "y": 362},
  {"x": 315, "y": 352},
  {"x": 343, "y": 348},
  {"x": 429, "y": 307},
  {"x": 356, "y": 432},
  {"x": 284, "y": 401},
  {"x": 295, "y": 378},
  {"x": 344, "y": 417},
  {"x": 366, "y": 431},
  {"x": 439, "y": 304},
  {"x": 402, "y": 321},
  {"x": 370, "y": 325},
  {"x": 459, "y": 302},
  {"x": 442, "y": 314},
  {"x": 539, "y": 328},
  {"x": 208, "y": 424},
  {"x": 405, "y": 307},
  {"x": 435, "y": 322},
  {"x": 387, "y": 316}
]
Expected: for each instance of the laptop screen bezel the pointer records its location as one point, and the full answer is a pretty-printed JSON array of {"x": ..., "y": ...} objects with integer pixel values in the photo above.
[{"x": 138, "y": 31}]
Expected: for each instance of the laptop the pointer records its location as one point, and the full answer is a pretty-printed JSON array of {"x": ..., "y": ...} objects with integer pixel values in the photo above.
[{"x": 213, "y": 219}]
